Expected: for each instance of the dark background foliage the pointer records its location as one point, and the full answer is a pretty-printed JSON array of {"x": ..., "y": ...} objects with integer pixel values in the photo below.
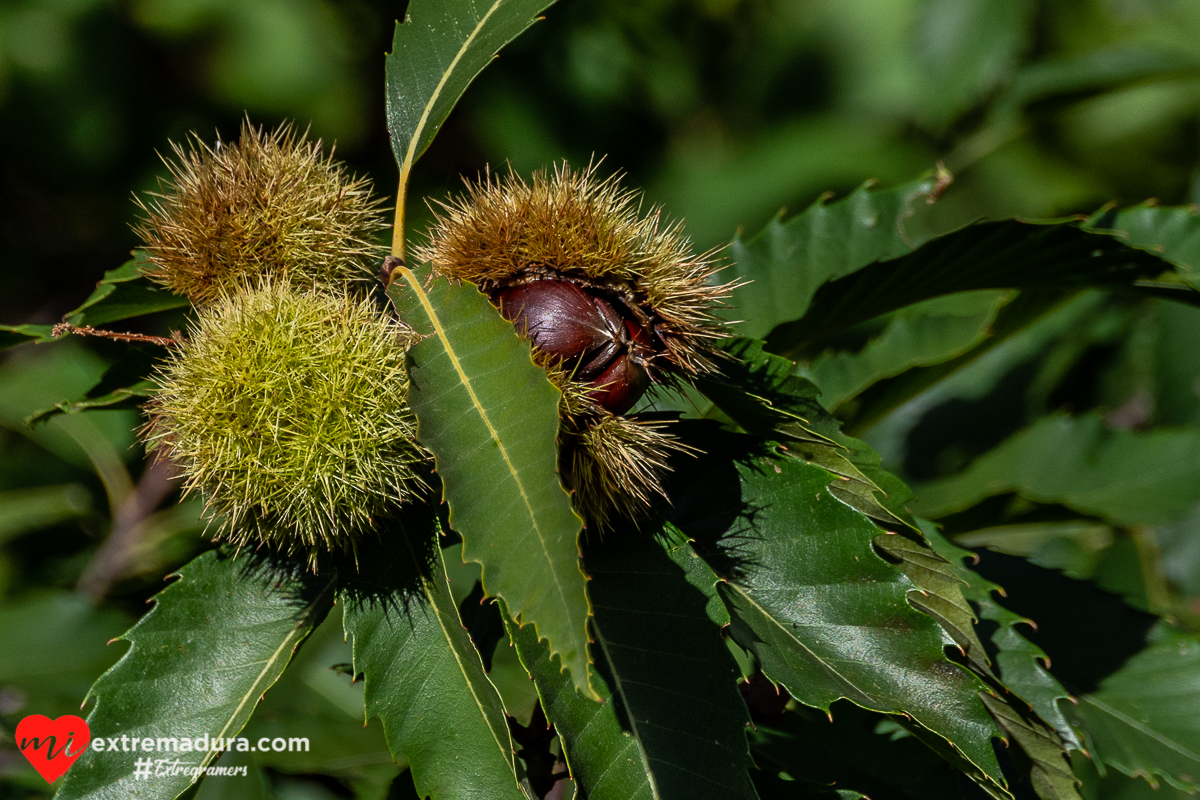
[{"x": 725, "y": 112}]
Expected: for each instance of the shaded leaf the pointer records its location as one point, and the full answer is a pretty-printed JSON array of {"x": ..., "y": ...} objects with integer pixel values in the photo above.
[
  {"x": 1017, "y": 328},
  {"x": 1170, "y": 232},
  {"x": 923, "y": 334},
  {"x": 490, "y": 417},
  {"x": 482, "y": 619},
  {"x": 55, "y": 647},
  {"x": 122, "y": 293},
  {"x": 672, "y": 724},
  {"x": 761, "y": 395},
  {"x": 123, "y": 385},
  {"x": 850, "y": 748},
  {"x": 13, "y": 335},
  {"x": 784, "y": 264},
  {"x": 124, "y": 397},
  {"x": 1078, "y": 76},
  {"x": 1145, "y": 718},
  {"x": 986, "y": 255},
  {"x": 424, "y": 679},
  {"x": 1051, "y": 773},
  {"x": 215, "y": 641},
  {"x": 822, "y": 613},
  {"x": 968, "y": 48},
  {"x": 1127, "y": 477}
]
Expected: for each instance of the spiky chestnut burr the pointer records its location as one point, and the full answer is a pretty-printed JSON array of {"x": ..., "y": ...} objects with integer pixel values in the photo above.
[
  {"x": 612, "y": 301},
  {"x": 286, "y": 410},
  {"x": 270, "y": 206}
]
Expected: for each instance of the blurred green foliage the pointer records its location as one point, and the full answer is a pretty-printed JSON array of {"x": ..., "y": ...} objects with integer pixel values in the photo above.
[{"x": 725, "y": 111}]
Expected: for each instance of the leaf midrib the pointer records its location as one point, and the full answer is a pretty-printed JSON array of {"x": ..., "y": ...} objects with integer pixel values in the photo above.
[
  {"x": 293, "y": 637},
  {"x": 506, "y": 751},
  {"x": 440, "y": 332},
  {"x": 410, "y": 154},
  {"x": 619, "y": 686},
  {"x": 1140, "y": 727}
]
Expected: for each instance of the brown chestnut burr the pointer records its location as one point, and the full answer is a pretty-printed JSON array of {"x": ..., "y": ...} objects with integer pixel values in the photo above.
[{"x": 585, "y": 335}]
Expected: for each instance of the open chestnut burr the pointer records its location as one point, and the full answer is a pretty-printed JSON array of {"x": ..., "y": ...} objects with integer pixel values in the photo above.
[{"x": 585, "y": 335}]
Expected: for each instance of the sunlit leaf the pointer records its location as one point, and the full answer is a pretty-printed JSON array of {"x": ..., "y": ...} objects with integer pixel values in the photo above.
[
  {"x": 823, "y": 614},
  {"x": 437, "y": 51},
  {"x": 215, "y": 641},
  {"x": 424, "y": 679},
  {"x": 784, "y": 264},
  {"x": 760, "y": 393},
  {"x": 986, "y": 255},
  {"x": 490, "y": 417}
]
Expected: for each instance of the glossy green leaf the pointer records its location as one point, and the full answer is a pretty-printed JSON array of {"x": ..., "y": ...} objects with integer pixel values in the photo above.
[
  {"x": 122, "y": 293},
  {"x": 672, "y": 724},
  {"x": 986, "y": 255},
  {"x": 490, "y": 417},
  {"x": 437, "y": 51},
  {"x": 784, "y": 264},
  {"x": 1170, "y": 232},
  {"x": 923, "y": 334},
  {"x": 13, "y": 335},
  {"x": 1127, "y": 477},
  {"x": 1145, "y": 718},
  {"x": 424, "y": 679},
  {"x": 215, "y": 641},
  {"x": 823, "y": 614},
  {"x": 938, "y": 593},
  {"x": 1019, "y": 664},
  {"x": 1029, "y": 713}
]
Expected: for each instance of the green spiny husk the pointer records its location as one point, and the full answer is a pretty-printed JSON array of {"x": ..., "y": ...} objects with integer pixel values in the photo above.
[
  {"x": 287, "y": 411},
  {"x": 269, "y": 207}
]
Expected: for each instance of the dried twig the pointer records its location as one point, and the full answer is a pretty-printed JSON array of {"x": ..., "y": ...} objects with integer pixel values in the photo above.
[{"x": 87, "y": 330}]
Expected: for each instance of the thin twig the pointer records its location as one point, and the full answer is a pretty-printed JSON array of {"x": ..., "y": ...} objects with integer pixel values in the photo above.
[{"x": 87, "y": 330}]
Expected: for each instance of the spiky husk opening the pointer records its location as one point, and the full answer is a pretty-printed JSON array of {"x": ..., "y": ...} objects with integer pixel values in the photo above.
[
  {"x": 615, "y": 466},
  {"x": 573, "y": 225},
  {"x": 286, "y": 410},
  {"x": 270, "y": 206}
]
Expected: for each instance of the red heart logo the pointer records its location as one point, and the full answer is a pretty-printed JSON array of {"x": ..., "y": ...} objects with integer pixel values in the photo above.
[{"x": 52, "y": 745}]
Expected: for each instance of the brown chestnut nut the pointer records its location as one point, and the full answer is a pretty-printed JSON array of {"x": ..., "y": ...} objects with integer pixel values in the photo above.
[
  {"x": 585, "y": 335},
  {"x": 562, "y": 321}
]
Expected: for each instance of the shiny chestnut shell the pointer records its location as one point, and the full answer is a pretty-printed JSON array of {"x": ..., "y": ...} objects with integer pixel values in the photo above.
[{"x": 585, "y": 334}]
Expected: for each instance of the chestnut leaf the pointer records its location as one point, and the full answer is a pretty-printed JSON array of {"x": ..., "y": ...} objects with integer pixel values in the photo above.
[{"x": 489, "y": 415}]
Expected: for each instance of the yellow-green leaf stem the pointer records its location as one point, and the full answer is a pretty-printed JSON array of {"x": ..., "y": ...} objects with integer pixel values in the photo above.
[{"x": 438, "y": 50}]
